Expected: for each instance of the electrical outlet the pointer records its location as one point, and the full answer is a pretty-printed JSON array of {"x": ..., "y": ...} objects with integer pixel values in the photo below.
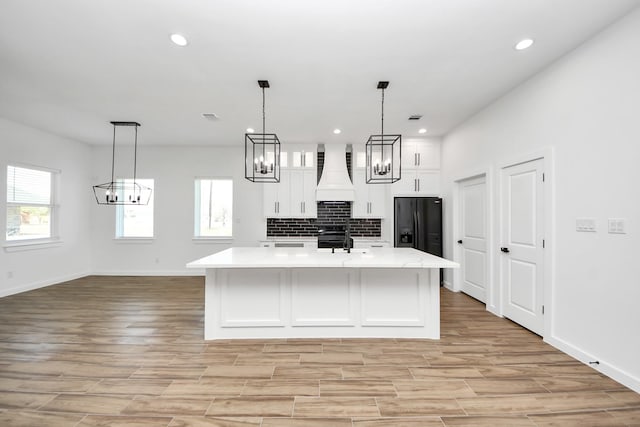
[
  {"x": 617, "y": 226},
  {"x": 586, "y": 224},
  {"x": 9, "y": 274}
]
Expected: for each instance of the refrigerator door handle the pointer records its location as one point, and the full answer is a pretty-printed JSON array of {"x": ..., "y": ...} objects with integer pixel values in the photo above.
[
  {"x": 415, "y": 229},
  {"x": 418, "y": 238}
]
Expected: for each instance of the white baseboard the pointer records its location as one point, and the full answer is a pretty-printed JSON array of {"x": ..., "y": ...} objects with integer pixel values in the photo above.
[
  {"x": 607, "y": 369},
  {"x": 493, "y": 310},
  {"x": 195, "y": 272},
  {"x": 448, "y": 286},
  {"x": 41, "y": 284}
]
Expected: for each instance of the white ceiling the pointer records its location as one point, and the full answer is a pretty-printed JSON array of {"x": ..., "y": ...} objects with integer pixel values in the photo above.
[{"x": 71, "y": 66}]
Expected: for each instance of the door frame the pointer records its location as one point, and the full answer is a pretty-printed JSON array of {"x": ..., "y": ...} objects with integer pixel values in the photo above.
[
  {"x": 549, "y": 209},
  {"x": 492, "y": 292}
]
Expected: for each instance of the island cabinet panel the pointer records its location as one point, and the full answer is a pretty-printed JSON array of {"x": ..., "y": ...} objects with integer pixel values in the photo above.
[
  {"x": 266, "y": 293},
  {"x": 252, "y": 298},
  {"x": 403, "y": 307},
  {"x": 323, "y": 297}
]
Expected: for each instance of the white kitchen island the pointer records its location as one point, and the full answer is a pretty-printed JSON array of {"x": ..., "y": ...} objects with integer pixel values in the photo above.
[{"x": 307, "y": 293}]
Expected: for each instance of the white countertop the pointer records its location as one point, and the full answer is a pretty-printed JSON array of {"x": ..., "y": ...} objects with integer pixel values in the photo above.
[{"x": 311, "y": 257}]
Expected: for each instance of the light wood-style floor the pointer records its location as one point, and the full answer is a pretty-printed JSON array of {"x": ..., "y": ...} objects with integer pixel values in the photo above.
[{"x": 103, "y": 351}]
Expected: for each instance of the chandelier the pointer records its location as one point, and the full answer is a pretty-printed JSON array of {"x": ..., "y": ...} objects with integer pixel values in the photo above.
[
  {"x": 262, "y": 151},
  {"x": 383, "y": 153},
  {"x": 123, "y": 191}
]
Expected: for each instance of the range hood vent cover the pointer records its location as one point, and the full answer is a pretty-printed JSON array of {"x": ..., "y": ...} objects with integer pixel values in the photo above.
[{"x": 335, "y": 184}]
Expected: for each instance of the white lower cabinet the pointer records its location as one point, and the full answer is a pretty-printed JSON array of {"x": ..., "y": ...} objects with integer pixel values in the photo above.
[
  {"x": 369, "y": 198},
  {"x": 289, "y": 243},
  {"x": 366, "y": 244}
]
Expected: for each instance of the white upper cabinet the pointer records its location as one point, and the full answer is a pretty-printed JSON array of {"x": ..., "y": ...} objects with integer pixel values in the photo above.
[
  {"x": 303, "y": 193},
  {"x": 417, "y": 183},
  {"x": 420, "y": 169},
  {"x": 295, "y": 195},
  {"x": 369, "y": 198},
  {"x": 277, "y": 197},
  {"x": 303, "y": 159},
  {"x": 420, "y": 154}
]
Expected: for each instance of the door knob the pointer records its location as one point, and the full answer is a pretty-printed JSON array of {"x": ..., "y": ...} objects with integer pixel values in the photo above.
[
  {"x": 505, "y": 250},
  {"x": 460, "y": 241}
]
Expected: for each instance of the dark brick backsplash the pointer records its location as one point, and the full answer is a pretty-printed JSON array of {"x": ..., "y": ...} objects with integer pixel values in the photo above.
[{"x": 329, "y": 213}]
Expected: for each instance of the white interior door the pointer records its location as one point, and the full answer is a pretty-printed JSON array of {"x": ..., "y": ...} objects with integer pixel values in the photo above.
[
  {"x": 473, "y": 239},
  {"x": 522, "y": 248}
]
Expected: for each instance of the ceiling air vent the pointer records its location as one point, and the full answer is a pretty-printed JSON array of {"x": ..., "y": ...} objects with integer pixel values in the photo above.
[
  {"x": 211, "y": 116},
  {"x": 415, "y": 117}
]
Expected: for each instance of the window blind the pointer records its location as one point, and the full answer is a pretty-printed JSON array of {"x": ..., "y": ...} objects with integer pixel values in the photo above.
[{"x": 28, "y": 186}]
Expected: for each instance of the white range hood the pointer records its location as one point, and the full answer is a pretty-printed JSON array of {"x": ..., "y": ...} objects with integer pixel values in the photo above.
[{"x": 335, "y": 185}]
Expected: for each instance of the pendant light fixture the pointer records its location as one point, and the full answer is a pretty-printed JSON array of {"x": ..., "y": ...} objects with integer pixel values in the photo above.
[
  {"x": 262, "y": 151},
  {"x": 383, "y": 153},
  {"x": 124, "y": 191}
]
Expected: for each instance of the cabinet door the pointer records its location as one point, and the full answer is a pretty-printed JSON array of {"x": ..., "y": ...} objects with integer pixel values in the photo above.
[
  {"x": 409, "y": 155},
  {"x": 297, "y": 193},
  {"x": 284, "y": 199},
  {"x": 359, "y": 209},
  {"x": 270, "y": 197},
  {"x": 428, "y": 183},
  {"x": 427, "y": 154},
  {"x": 408, "y": 184},
  {"x": 309, "y": 206},
  {"x": 377, "y": 200},
  {"x": 276, "y": 197},
  {"x": 302, "y": 159}
]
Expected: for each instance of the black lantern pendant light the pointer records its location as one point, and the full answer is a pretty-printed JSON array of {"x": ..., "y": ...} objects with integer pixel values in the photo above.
[
  {"x": 262, "y": 151},
  {"x": 122, "y": 192},
  {"x": 383, "y": 153}
]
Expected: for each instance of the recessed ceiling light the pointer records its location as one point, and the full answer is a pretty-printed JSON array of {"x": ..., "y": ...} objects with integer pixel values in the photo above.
[
  {"x": 337, "y": 131},
  {"x": 250, "y": 130},
  {"x": 524, "y": 44},
  {"x": 179, "y": 39},
  {"x": 423, "y": 130}
]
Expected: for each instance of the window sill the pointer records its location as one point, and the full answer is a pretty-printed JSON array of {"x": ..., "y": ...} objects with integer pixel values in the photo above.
[
  {"x": 29, "y": 245},
  {"x": 134, "y": 240},
  {"x": 210, "y": 240}
]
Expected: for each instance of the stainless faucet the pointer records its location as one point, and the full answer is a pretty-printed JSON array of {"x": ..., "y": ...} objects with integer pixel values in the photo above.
[{"x": 347, "y": 237}]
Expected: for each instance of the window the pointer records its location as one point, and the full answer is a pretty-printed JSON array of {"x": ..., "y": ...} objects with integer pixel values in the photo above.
[
  {"x": 213, "y": 208},
  {"x": 30, "y": 204},
  {"x": 135, "y": 220}
]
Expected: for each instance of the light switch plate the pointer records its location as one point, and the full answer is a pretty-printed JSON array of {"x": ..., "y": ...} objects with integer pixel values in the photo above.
[
  {"x": 586, "y": 224},
  {"x": 617, "y": 226}
]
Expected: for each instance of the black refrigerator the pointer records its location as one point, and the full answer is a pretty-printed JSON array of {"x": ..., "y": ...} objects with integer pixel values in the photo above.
[{"x": 418, "y": 223}]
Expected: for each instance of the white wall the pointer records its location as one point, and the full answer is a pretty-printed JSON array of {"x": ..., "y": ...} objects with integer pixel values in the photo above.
[
  {"x": 587, "y": 107},
  {"x": 174, "y": 170},
  {"x": 34, "y": 268}
]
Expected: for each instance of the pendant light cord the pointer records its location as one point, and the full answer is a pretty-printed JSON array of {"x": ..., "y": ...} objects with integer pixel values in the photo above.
[
  {"x": 135, "y": 159},
  {"x": 113, "y": 154},
  {"x": 263, "y": 128},
  {"x": 263, "y": 114},
  {"x": 382, "y": 115}
]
